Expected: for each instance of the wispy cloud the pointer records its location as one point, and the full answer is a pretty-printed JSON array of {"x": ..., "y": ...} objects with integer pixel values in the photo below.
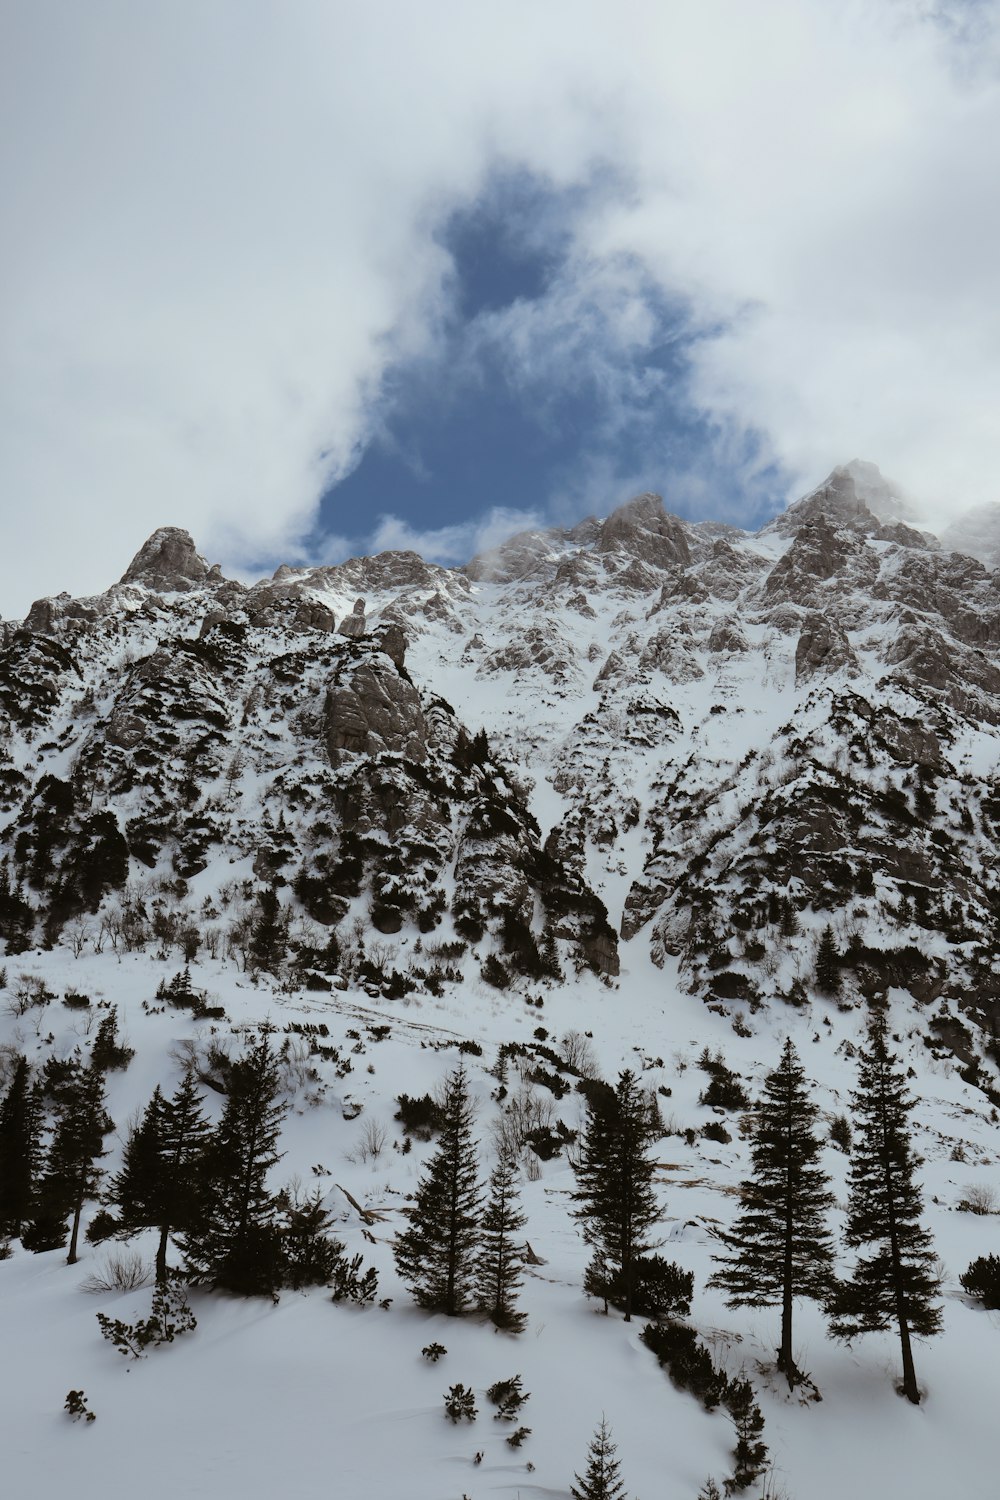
[{"x": 449, "y": 545}]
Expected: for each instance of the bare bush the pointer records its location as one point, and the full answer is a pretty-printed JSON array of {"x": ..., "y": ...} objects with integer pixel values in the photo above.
[
  {"x": 372, "y": 1141},
  {"x": 78, "y": 934},
  {"x": 579, "y": 1054},
  {"x": 297, "y": 1065},
  {"x": 119, "y": 1271},
  {"x": 980, "y": 1198},
  {"x": 29, "y": 993},
  {"x": 524, "y": 1113}
]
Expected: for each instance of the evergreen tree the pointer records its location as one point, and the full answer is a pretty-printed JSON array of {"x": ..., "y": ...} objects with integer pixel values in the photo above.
[
  {"x": 780, "y": 1247},
  {"x": 108, "y": 1053},
  {"x": 234, "y": 1241},
  {"x": 269, "y": 932},
  {"x": 750, "y": 1453},
  {"x": 827, "y": 964},
  {"x": 310, "y": 1256},
  {"x": 615, "y": 1187},
  {"x": 500, "y": 1267},
  {"x": 436, "y": 1255},
  {"x": 159, "y": 1186},
  {"x": 895, "y": 1282},
  {"x": 601, "y": 1481},
  {"x": 20, "y": 1129},
  {"x": 72, "y": 1171}
]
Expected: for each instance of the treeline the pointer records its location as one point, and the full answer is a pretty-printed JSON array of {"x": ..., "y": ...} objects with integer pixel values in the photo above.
[{"x": 204, "y": 1188}]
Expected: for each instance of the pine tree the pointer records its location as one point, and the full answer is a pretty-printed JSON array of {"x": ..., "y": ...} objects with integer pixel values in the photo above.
[
  {"x": 615, "y": 1188},
  {"x": 827, "y": 964},
  {"x": 601, "y": 1481},
  {"x": 20, "y": 1129},
  {"x": 500, "y": 1267},
  {"x": 436, "y": 1255},
  {"x": 72, "y": 1171},
  {"x": 750, "y": 1453},
  {"x": 234, "y": 1241},
  {"x": 159, "y": 1186},
  {"x": 780, "y": 1247},
  {"x": 269, "y": 932},
  {"x": 895, "y": 1282},
  {"x": 109, "y": 1054}
]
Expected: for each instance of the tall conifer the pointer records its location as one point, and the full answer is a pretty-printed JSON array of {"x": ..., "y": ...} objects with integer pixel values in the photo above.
[
  {"x": 20, "y": 1128},
  {"x": 780, "y": 1247},
  {"x": 500, "y": 1267},
  {"x": 72, "y": 1168},
  {"x": 234, "y": 1240},
  {"x": 159, "y": 1186},
  {"x": 436, "y": 1254},
  {"x": 895, "y": 1281},
  {"x": 617, "y": 1206}
]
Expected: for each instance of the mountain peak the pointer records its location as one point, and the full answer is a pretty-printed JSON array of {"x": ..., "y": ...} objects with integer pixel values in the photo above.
[
  {"x": 643, "y": 528},
  {"x": 858, "y": 495},
  {"x": 169, "y": 562}
]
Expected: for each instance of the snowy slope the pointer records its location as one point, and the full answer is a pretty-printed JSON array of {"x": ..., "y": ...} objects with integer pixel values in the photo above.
[{"x": 681, "y": 724}]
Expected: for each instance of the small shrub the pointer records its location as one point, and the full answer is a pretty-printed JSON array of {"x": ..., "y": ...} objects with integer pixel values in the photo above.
[
  {"x": 716, "y": 1131},
  {"x": 840, "y": 1133},
  {"x": 103, "y": 1226},
  {"x": 169, "y": 1316},
  {"x": 517, "y": 1438},
  {"x": 982, "y": 1280},
  {"x": 508, "y": 1397},
  {"x": 421, "y": 1117},
  {"x": 724, "y": 1089},
  {"x": 76, "y": 1405},
  {"x": 122, "y": 1271},
  {"x": 688, "y": 1362},
  {"x": 433, "y": 1352},
  {"x": 494, "y": 973},
  {"x": 660, "y": 1288},
  {"x": 349, "y": 1284},
  {"x": 459, "y": 1402}
]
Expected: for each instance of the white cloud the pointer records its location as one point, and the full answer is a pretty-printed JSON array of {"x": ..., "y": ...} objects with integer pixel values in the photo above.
[
  {"x": 452, "y": 544},
  {"x": 220, "y": 234}
]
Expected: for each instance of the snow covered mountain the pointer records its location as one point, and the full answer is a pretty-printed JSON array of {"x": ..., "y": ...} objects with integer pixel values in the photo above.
[{"x": 619, "y": 777}]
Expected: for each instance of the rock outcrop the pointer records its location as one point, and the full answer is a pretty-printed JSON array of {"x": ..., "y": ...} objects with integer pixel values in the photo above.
[{"x": 169, "y": 562}]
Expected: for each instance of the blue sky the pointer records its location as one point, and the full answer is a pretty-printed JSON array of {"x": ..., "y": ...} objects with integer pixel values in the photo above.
[
  {"x": 347, "y": 274},
  {"x": 464, "y": 430}
]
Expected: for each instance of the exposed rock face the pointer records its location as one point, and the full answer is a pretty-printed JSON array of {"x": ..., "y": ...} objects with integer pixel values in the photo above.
[
  {"x": 727, "y": 636},
  {"x": 818, "y": 553},
  {"x": 169, "y": 563},
  {"x": 374, "y": 709},
  {"x": 823, "y": 648},
  {"x": 855, "y": 495},
  {"x": 48, "y": 616},
  {"x": 354, "y": 624},
  {"x": 391, "y": 639},
  {"x": 644, "y": 530}
]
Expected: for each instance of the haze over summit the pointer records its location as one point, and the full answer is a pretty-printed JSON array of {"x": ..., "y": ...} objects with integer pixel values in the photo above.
[{"x": 330, "y": 279}]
